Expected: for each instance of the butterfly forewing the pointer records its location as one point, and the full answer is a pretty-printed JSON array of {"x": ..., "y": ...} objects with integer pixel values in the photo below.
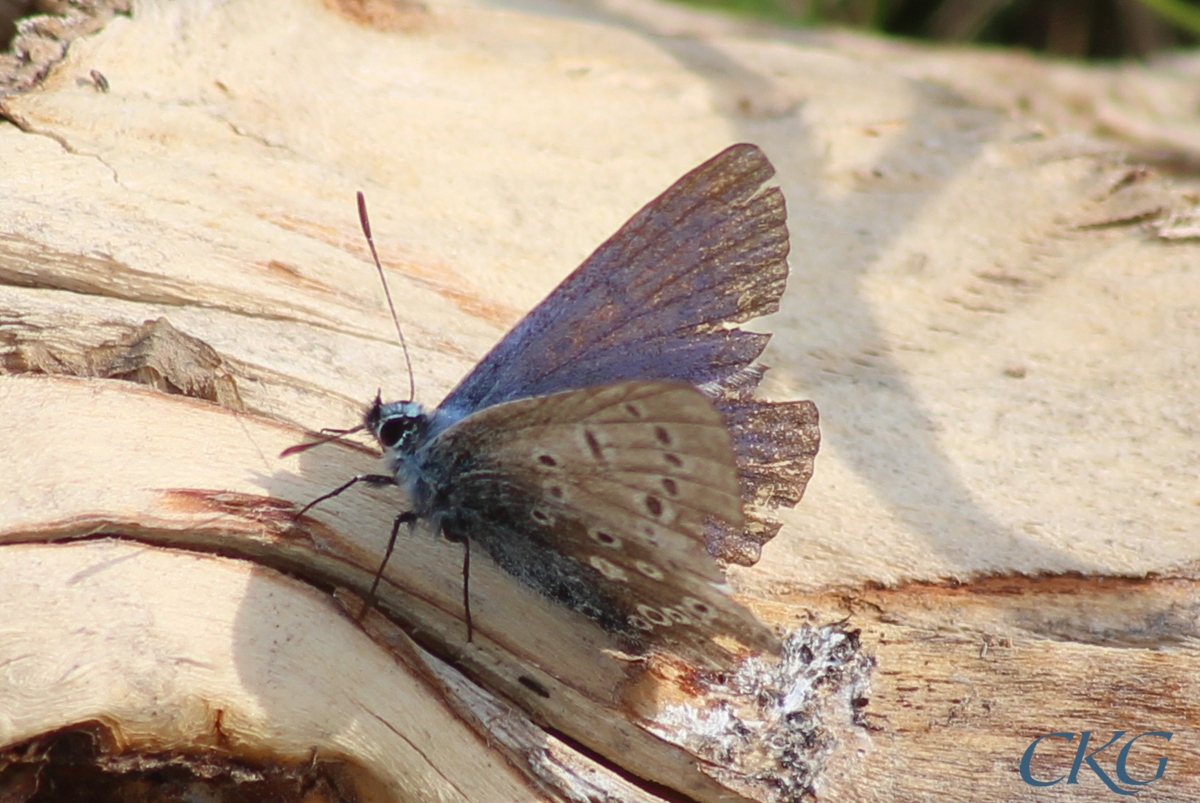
[
  {"x": 614, "y": 486},
  {"x": 653, "y": 301}
]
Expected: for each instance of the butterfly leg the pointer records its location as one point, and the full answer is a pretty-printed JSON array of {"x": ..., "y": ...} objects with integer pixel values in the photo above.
[
  {"x": 458, "y": 538},
  {"x": 408, "y": 517},
  {"x": 370, "y": 479}
]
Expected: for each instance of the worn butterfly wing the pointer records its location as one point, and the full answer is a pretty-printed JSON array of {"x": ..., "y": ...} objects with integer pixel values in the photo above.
[
  {"x": 653, "y": 301},
  {"x": 599, "y": 499},
  {"x": 775, "y": 444}
]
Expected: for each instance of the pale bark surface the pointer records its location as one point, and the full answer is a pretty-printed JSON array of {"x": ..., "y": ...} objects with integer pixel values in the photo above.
[{"x": 997, "y": 314}]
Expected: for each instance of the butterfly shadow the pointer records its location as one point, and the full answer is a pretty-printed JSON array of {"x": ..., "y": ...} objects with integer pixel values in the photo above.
[{"x": 830, "y": 343}]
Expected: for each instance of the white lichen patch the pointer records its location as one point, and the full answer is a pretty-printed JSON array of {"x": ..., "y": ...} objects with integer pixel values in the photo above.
[{"x": 767, "y": 728}]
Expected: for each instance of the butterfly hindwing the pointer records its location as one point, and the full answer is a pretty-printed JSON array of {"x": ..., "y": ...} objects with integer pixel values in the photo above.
[
  {"x": 600, "y": 498},
  {"x": 775, "y": 443}
]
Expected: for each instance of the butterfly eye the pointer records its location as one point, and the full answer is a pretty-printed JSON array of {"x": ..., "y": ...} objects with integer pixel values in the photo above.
[{"x": 394, "y": 431}]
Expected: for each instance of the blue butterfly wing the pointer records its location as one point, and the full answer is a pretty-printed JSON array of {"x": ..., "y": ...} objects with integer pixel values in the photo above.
[{"x": 654, "y": 301}]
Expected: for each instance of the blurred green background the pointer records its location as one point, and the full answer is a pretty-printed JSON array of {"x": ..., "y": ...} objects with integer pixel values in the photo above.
[
  {"x": 1091, "y": 29},
  {"x": 1083, "y": 29}
]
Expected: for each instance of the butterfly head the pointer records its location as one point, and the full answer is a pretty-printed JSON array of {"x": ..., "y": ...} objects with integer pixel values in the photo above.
[{"x": 398, "y": 426}]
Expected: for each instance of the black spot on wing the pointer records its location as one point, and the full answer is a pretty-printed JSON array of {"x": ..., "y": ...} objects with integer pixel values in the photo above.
[{"x": 593, "y": 444}]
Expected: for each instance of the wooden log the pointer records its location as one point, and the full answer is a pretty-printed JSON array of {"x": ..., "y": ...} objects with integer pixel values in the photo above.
[{"x": 998, "y": 544}]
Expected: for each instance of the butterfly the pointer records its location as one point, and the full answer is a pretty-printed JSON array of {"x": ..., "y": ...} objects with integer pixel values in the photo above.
[{"x": 609, "y": 452}]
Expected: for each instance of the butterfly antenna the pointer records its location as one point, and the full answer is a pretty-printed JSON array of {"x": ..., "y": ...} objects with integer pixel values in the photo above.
[{"x": 366, "y": 227}]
